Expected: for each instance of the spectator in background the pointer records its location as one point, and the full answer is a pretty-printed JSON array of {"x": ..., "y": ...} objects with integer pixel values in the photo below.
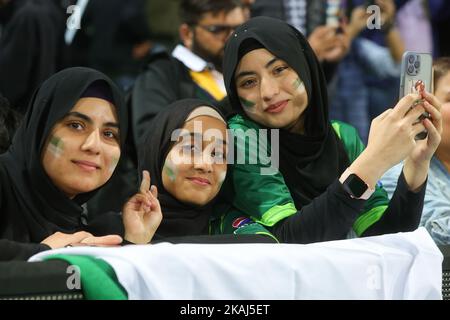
[
  {"x": 9, "y": 121},
  {"x": 114, "y": 38},
  {"x": 423, "y": 25},
  {"x": 327, "y": 37},
  {"x": 31, "y": 47},
  {"x": 247, "y": 5},
  {"x": 436, "y": 211},
  {"x": 163, "y": 27},
  {"x": 414, "y": 24},
  {"x": 367, "y": 79},
  {"x": 194, "y": 69}
]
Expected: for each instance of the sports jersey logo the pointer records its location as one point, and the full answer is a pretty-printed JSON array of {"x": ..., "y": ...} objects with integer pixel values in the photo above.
[{"x": 241, "y": 221}]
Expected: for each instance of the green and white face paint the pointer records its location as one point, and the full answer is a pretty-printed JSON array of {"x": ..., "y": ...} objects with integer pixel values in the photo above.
[
  {"x": 247, "y": 104},
  {"x": 298, "y": 85},
  {"x": 56, "y": 146},
  {"x": 170, "y": 169}
]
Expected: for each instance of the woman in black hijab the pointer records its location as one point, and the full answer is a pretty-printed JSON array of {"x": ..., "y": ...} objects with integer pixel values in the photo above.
[
  {"x": 65, "y": 150},
  {"x": 327, "y": 181},
  {"x": 185, "y": 153}
]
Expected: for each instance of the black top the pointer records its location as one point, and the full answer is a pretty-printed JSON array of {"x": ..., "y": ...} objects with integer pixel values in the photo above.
[{"x": 31, "y": 207}]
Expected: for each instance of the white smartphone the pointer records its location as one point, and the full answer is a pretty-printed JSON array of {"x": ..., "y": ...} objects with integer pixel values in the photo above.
[
  {"x": 416, "y": 67},
  {"x": 416, "y": 75}
]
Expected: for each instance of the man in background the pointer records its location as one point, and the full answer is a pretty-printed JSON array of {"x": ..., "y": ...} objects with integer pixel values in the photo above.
[{"x": 194, "y": 68}]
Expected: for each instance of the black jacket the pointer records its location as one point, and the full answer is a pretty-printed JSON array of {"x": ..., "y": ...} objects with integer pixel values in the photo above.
[{"x": 165, "y": 80}]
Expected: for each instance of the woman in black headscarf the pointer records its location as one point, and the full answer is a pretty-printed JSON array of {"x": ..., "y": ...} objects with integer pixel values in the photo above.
[
  {"x": 65, "y": 150},
  {"x": 327, "y": 181},
  {"x": 185, "y": 152}
]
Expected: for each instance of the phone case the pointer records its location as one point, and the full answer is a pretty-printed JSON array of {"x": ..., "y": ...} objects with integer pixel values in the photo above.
[{"x": 416, "y": 67}]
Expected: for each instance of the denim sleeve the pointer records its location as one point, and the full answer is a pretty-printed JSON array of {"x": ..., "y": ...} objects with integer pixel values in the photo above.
[
  {"x": 436, "y": 213},
  {"x": 390, "y": 178},
  {"x": 375, "y": 58}
]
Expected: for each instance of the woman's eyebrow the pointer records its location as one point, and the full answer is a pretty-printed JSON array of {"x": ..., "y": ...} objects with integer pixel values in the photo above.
[
  {"x": 111, "y": 124},
  {"x": 250, "y": 73},
  {"x": 243, "y": 74},
  {"x": 271, "y": 62},
  {"x": 79, "y": 115},
  {"x": 89, "y": 120}
]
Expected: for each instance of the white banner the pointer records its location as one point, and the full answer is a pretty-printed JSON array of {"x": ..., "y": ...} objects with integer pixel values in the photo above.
[{"x": 397, "y": 266}]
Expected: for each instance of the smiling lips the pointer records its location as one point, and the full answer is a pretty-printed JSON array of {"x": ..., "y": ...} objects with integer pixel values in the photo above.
[
  {"x": 277, "y": 107},
  {"x": 86, "y": 165},
  {"x": 200, "y": 181}
]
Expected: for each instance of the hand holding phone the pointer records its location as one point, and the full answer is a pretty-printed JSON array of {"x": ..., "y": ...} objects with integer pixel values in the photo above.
[{"x": 417, "y": 77}]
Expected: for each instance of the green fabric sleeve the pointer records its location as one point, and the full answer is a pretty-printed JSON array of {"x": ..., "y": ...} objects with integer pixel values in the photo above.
[
  {"x": 98, "y": 279},
  {"x": 263, "y": 197}
]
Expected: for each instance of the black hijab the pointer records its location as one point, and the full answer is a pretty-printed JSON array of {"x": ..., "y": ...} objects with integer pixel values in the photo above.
[
  {"x": 309, "y": 162},
  {"x": 41, "y": 208},
  {"x": 179, "y": 219}
]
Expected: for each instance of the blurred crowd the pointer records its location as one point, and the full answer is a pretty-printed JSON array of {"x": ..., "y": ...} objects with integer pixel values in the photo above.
[
  {"x": 159, "y": 52},
  {"x": 120, "y": 38}
]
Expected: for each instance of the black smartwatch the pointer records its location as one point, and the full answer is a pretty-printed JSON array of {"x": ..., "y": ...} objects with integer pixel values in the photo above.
[{"x": 355, "y": 186}]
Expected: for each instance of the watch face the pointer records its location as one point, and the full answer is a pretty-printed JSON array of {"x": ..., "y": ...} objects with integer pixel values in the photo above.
[{"x": 355, "y": 186}]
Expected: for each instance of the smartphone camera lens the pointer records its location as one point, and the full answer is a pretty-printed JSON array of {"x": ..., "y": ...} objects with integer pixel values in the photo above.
[
  {"x": 411, "y": 59},
  {"x": 411, "y": 69},
  {"x": 417, "y": 64}
]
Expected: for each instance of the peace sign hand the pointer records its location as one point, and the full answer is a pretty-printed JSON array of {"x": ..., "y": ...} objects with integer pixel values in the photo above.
[{"x": 142, "y": 214}]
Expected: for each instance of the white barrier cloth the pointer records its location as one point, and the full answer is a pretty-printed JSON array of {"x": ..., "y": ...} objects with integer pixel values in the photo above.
[{"x": 395, "y": 266}]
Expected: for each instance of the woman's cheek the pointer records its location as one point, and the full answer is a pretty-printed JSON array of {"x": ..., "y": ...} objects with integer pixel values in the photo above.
[
  {"x": 221, "y": 175},
  {"x": 113, "y": 163},
  {"x": 178, "y": 164}
]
